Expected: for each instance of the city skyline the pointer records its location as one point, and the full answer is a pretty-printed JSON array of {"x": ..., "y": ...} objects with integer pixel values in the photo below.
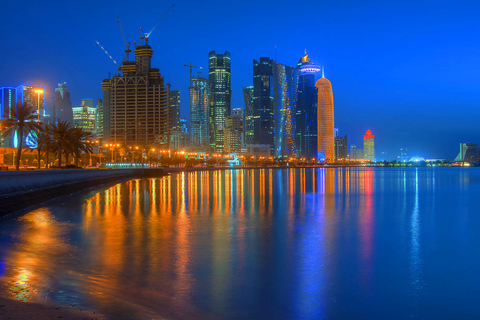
[{"x": 400, "y": 82}]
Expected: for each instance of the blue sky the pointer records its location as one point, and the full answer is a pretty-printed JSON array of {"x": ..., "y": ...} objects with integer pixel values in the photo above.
[{"x": 407, "y": 70}]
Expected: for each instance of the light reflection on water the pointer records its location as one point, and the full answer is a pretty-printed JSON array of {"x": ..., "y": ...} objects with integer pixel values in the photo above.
[{"x": 253, "y": 244}]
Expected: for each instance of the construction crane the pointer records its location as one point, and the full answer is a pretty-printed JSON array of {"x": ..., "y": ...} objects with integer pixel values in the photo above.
[
  {"x": 127, "y": 45},
  {"x": 147, "y": 35},
  {"x": 191, "y": 67},
  {"x": 108, "y": 54}
]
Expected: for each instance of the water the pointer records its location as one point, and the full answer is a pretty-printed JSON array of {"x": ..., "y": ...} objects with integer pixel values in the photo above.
[{"x": 353, "y": 243}]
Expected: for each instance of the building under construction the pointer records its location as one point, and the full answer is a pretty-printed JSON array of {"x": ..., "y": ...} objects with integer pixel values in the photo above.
[{"x": 136, "y": 103}]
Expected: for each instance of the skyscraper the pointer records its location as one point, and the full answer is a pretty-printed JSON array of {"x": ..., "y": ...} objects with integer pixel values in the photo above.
[
  {"x": 174, "y": 110},
  {"x": 219, "y": 75},
  {"x": 34, "y": 96},
  {"x": 99, "y": 124},
  {"x": 306, "y": 116},
  {"x": 199, "y": 112},
  {"x": 369, "y": 145},
  {"x": 249, "y": 123},
  {"x": 233, "y": 134},
  {"x": 62, "y": 107},
  {"x": 284, "y": 101},
  {"x": 240, "y": 112},
  {"x": 262, "y": 103},
  {"x": 8, "y": 99},
  {"x": 341, "y": 148},
  {"x": 135, "y": 104},
  {"x": 85, "y": 117},
  {"x": 325, "y": 120}
]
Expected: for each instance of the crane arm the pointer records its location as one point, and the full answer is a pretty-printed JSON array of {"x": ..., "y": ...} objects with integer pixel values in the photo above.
[
  {"x": 107, "y": 53},
  {"x": 148, "y": 34},
  {"x": 123, "y": 34}
]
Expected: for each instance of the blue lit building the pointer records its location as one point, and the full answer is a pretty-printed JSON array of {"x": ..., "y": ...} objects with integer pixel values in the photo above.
[
  {"x": 285, "y": 80},
  {"x": 34, "y": 96},
  {"x": 8, "y": 99},
  {"x": 306, "y": 113}
]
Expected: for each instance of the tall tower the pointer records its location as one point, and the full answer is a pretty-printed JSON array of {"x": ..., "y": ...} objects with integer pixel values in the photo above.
[
  {"x": 219, "y": 75},
  {"x": 199, "y": 112},
  {"x": 306, "y": 116},
  {"x": 262, "y": 103},
  {"x": 174, "y": 110},
  {"x": 136, "y": 104},
  {"x": 62, "y": 107},
  {"x": 369, "y": 145},
  {"x": 284, "y": 101},
  {"x": 325, "y": 120},
  {"x": 8, "y": 100},
  {"x": 248, "y": 129}
]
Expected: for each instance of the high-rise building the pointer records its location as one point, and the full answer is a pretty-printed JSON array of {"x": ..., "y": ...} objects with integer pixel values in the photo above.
[
  {"x": 174, "y": 110},
  {"x": 341, "y": 148},
  {"x": 369, "y": 146},
  {"x": 353, "y": 152},
  {"x": 240, "y": 112},
  {"x": 306, "y": 117},
  {"x": 199, "y": 112},
  {"x": 179, "y": 137},
  {"x": 34, "y": 96},
  {"x": 135, "y": 104},
  {"x": 8, "y": 99},
  {"x": 262, "y": 103},
  {"x": 284, "y": 101},
  {"x": 85, "y": 116},
  {"x": 62, "y": 107},
  {"x": 233, "y": 134},
  {"x": 249, "y": 123},
  {"x": 325, "y": 120},
  {"x": 99, "y": 124},
  {"x": 219, "y": 76}
]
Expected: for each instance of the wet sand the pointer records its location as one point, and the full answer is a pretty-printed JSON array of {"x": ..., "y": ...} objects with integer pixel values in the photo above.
[{"x": 18, "y": 310}]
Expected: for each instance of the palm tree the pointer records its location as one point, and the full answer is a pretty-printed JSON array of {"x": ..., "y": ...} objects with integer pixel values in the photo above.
[
  {"x": 22, "y": 123},
  {"x": 78, "y": 142},
  {"x": 60, "y": 138},
  {"x": 44, "y": 144}
]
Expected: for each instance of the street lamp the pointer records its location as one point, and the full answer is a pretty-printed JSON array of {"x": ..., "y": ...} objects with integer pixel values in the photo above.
[{"x": 38, "y": 103}]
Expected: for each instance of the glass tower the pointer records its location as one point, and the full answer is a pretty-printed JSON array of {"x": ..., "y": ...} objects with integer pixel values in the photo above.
[
  {"x": 34, "y": 96},
  {"x": 248, "y": 97},
  {"x": 285, "y": 94},
  {"x": 8, "y": 99},
  {"x": 219, "y": 75},
  {"x": 369, "y": 145},
  {"x": 262, "y": 103},
  {"x": 306, "y": 116},
  {"x": 62, "y": 107},
  {"x": 199, "y": 112}
]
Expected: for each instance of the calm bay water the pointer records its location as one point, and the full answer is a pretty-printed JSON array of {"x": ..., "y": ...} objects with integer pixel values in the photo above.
[{"x": 353, "y": 243}]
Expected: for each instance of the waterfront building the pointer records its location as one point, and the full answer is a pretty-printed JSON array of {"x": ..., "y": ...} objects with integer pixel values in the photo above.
[
  {"x": 341, "y": 148},
  {"x": 219, "y": 76},
  {"x": 174, "y": 100},
  {"x": 233, "y": 134},
  {"x": 325, "y": 120},
  {"x": 284, "y": 101},
  {"x": 353, "y": 152},
  {"x": 306, "y": 115},
  {"x": 369, "y": 146},
  {"x": 199, "y": 91},
  {"x": 85, "y": 116},
  {"x": 62, "y": 107},
  {"x": 263, "y": 111},
  {"x": 249, "y": 123},
  {"x": 468, "y": 153},
  {"x": 8, "y": 99},
  {"x": 135, "y": 104},
  {"x": 99, "y": 120},
  {"x": 179, "y": 137},
  {"x": 240, "y": 112},
  {"x": 34, "y": 96}
]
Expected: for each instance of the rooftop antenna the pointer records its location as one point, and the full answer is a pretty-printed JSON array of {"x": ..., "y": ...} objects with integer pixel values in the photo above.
[{"x": 323, "y": 72}]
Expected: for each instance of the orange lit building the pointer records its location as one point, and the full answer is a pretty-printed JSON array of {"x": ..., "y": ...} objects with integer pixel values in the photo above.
[
  {"x": 325, "y": 120},
  {"x": 369, "y": 145}
]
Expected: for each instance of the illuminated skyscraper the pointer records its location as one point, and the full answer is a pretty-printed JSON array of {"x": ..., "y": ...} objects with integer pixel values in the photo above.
[
  {"x": 85, "y": 117},
  {"x": 199, "y": 112},
  {"x": 369, "y": 146},
  {"x": 263, "y": 112},
  {"x": 34, "y": 96},
  {"x": 284, "y": 101},
  {"x": 174, "y": 100},
  {"x": 135, "y": 104},
  {"x": 233, "y": 134},
  {"x": 249, "y": 123},
  {"x": 306, "y": 116},
  {"x": 99, "y": 124},
  {"x": 341, "y": 148},
  {"x": 62, "y": 107},
  {"x": 219, "y": 75},
  {"x": 325, "y": 120},
  {"x": 8, "y": 99}
]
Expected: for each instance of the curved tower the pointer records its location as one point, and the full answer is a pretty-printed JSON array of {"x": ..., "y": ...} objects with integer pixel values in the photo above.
[{"x": 325, "y": 120}]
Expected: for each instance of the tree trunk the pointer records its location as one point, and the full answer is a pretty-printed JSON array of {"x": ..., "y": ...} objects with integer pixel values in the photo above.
[
  {"x": 39, "y": 157},
  {"x": 19, "y": 148}
]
